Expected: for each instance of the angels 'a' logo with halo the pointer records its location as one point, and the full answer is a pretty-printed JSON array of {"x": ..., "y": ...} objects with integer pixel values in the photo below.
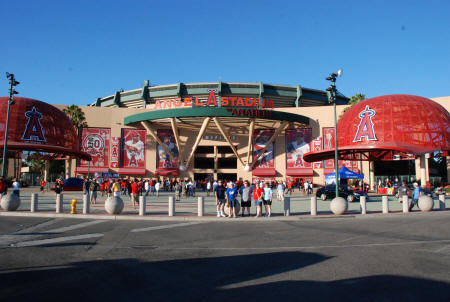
[
  {"x": 94, "y": 144},
  {"x": 33, "y": 129},
  {"x": 365, "y": 128}
]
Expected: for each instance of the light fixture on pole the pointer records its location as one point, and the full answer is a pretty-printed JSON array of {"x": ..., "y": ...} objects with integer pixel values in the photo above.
[
  {"x": 12, "y": 92},
  {"x": 331, "y": 93}
]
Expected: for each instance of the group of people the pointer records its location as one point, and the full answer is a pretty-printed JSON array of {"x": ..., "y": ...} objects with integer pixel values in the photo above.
[
  {"x": 4, "y": 187},
  {"x": 227, "y": 196}
]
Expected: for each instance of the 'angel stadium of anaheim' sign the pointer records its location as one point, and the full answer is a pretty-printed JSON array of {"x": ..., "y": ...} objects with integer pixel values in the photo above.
[{"x": 230, "y": 101}]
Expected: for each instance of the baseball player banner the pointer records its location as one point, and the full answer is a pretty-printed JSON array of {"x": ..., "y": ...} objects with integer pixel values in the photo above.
[
  {"x": 328, "y": 143},
  {"x": 115, "y": 152},
  {"x": 298, "y": 143},
  {"x": 265, "y": 161},
  {"x": 95, "y": 142},
  {"x": 133, "y": 154},
  {"x": 165, "y": 165}
]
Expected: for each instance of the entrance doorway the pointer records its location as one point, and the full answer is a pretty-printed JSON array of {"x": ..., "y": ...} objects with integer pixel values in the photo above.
[
  {"x": 227, "y": 176},
  {"x": 203, "y": 176}
]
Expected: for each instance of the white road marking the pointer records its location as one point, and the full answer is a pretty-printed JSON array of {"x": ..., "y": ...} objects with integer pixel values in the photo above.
[
  {"x": 74, "y": 227},
  {"x": 442, "y": 248},
  {"x": 55, "y": 240},
  {"x": 307, "y": 247},
  {"x": 37, "y": 226},
  {"x": 162, "y": 227}
]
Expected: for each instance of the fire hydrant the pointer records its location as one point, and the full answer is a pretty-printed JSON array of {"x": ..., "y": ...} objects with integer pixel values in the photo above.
[{"x": 73, "y": 203}]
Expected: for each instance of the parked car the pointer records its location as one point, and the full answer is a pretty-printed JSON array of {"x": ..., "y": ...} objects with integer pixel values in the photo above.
[{"x": 329, "y": 192}]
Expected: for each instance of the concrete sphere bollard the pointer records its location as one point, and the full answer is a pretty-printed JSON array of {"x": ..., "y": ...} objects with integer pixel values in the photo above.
[
  {"x": 338, "y": 205},
  {"x": 227, "y": 209},
  {"x": 10, "y": 202},
  {"x": 114, "y": 205},
  {"x": 426, "y": 203}
]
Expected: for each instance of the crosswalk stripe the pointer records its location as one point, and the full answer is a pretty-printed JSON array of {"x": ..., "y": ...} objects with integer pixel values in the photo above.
[
  {"x": 167, "y": 226},
  {"x": 56, "y": 240}
]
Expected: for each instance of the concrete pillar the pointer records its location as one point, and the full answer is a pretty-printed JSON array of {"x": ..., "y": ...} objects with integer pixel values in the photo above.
[
  {"x": 171, "y": 206},
  {"x": 287, "y": 206},
  {"x": 372, "y": 175},
  {"x": 86, "y": 204},
  {"x": 200, "y": 205},
  {"x": 313, "y": 206},
  {"x": 427, "y": 167},
  {"x": 441, "y": 202},
  {"x": 59, "y": 203},
  {"x": 405, "y": 203},
  {"x": 35, "y": 202},
  {"x": 423, "y": 172},
  {"x": 385, "y": 204},
  {"x": 142, "y": 204},
  {"x": 68, "y": 164},
  {"x": 363, "y": 206}
]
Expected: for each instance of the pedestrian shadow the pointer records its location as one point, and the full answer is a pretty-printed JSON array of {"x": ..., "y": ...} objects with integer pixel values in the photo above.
[{"x": 250, "y": 277}]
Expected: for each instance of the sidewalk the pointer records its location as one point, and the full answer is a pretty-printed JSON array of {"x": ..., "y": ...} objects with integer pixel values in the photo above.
[{"x": 157, "y": 207}]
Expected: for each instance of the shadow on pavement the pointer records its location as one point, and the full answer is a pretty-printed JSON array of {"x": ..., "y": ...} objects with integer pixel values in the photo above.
[{"x": 228, "y": 278}]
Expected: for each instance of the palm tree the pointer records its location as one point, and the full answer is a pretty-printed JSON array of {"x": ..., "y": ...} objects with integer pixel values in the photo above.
[
  {"x": 76, "y": 115},
  {"x": 359, "y": 97}
]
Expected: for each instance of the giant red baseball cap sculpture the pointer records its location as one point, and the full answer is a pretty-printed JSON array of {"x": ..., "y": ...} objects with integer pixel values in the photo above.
[
  {"x": 38, "y": 126},
  {"x": 397, "y": 125}
]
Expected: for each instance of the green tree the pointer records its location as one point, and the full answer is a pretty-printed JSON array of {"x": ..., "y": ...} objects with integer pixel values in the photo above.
[
  {"x": 359, "y": 97},
  {"x": 76, "y": 115}
]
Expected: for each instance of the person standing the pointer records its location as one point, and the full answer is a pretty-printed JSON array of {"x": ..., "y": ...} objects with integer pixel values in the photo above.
[
  {"x": 3, "y": 187},
  {"x": 86, "y": 186},
  {"x": 257, "y": 197},
  {"x": 220, "y": 198},
  {"x": 157, "y": 187},
  {"x": 134, "y": 192},
  {"x": 146, "y": 187},
  {"x": 16, "y": 187},
  {"x": 402, "y": 191},
  {"x": 116, "y": 188},
  {"x": 280, "y": 191},
  {"x": 42, "y": 189},
  {"x": 231, "y": 194},
  {"x": 58, "y": 187},
  {"x": 177, "y": 191},
  {"x": 94, "y": 188},
  {"x": 208, "y": 188},
  {"x": 267, "y": 199},
  {"x": 415, "y": 198},
  {"x": 246, "y": 197}
]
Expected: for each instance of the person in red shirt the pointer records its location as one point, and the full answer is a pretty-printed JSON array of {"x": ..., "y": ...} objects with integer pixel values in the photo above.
[
  {"x": 257, "y": 197},
  {"x": 134, "y": 192},
  {"x": 43, "y": 186},
  {"x": 3, "y": 187}
]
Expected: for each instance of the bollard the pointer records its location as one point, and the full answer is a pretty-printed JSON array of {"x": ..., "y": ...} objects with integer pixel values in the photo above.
[
  {"x": 34, "y": 202},
  {"x": 171, "y": 206},
  {"x": 313, "y": 206},
  {"x": 442, "y": 202},
  {"x": 385, "y": 204},
  {"x": 86, "y": 204},
  {"x": 200, "y": 205},
  {"x": 405, "y": 203},
  {"x": 287, "y": 206},
  {"x": 59, "y": 203},
  {"x": 362, "y": 204},
  {"x": 142, "y": 204}
]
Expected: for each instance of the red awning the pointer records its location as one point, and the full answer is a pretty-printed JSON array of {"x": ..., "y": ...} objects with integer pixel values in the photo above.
[
  {"x": 132, "y": 171},
  {"x": 91, "y": 169},
  {"x": 166, "y": 172},
  {"x": 299, "y": 171},
  {"x": 264, "y": 172}
]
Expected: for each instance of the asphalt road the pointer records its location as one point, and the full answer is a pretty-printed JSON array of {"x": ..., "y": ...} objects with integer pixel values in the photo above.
[{"x": 382, "y": 258}]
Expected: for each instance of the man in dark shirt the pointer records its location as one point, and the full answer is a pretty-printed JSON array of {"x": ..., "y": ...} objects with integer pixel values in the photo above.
[
  {"x": 402, "y": 190},
  {"x": 219, "y": 191}
]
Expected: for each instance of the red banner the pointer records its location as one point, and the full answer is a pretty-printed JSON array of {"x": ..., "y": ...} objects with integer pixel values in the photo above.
[
  {"x": 133, "y": 153},
  {"x": 316, "y": 145},
  {"x": 298, "y": 143},
  {"x": 165, "y": 165},
  {"x": 265, "y": 165},
  {"x": 115, "y": 152},
  {"x": 95, "y": 141},
  {"x": 328, "y": 143}
]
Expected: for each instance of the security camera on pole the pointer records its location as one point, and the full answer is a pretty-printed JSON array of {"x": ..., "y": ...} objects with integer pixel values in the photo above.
[{"x": 337, "y": 206}]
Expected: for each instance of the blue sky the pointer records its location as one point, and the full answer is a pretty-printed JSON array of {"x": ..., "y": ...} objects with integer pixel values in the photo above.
[{"x": 71, "y": 52}]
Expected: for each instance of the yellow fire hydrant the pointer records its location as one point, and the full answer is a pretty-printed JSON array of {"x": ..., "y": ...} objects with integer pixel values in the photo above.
[{"x": 73, "y": 203}]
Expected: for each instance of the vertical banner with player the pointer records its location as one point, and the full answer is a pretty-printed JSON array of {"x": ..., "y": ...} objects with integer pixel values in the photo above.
[
  {"x": 133, "y": 154},
  {"x": 165, "y": 165},
  {"x": 95, "y": 142},
  {"x": 115, "y": 152},
  {"x": 297, "y": 144},
  {"x": 265, "y": 165},
  {"x": 316, "y": 146},
  {"x": 328, "y": 143}
]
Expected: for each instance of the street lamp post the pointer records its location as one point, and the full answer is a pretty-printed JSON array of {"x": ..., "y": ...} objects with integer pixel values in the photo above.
[
  {"x": 331, "y": 93},
  {"x": 12, "y": 92}
]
